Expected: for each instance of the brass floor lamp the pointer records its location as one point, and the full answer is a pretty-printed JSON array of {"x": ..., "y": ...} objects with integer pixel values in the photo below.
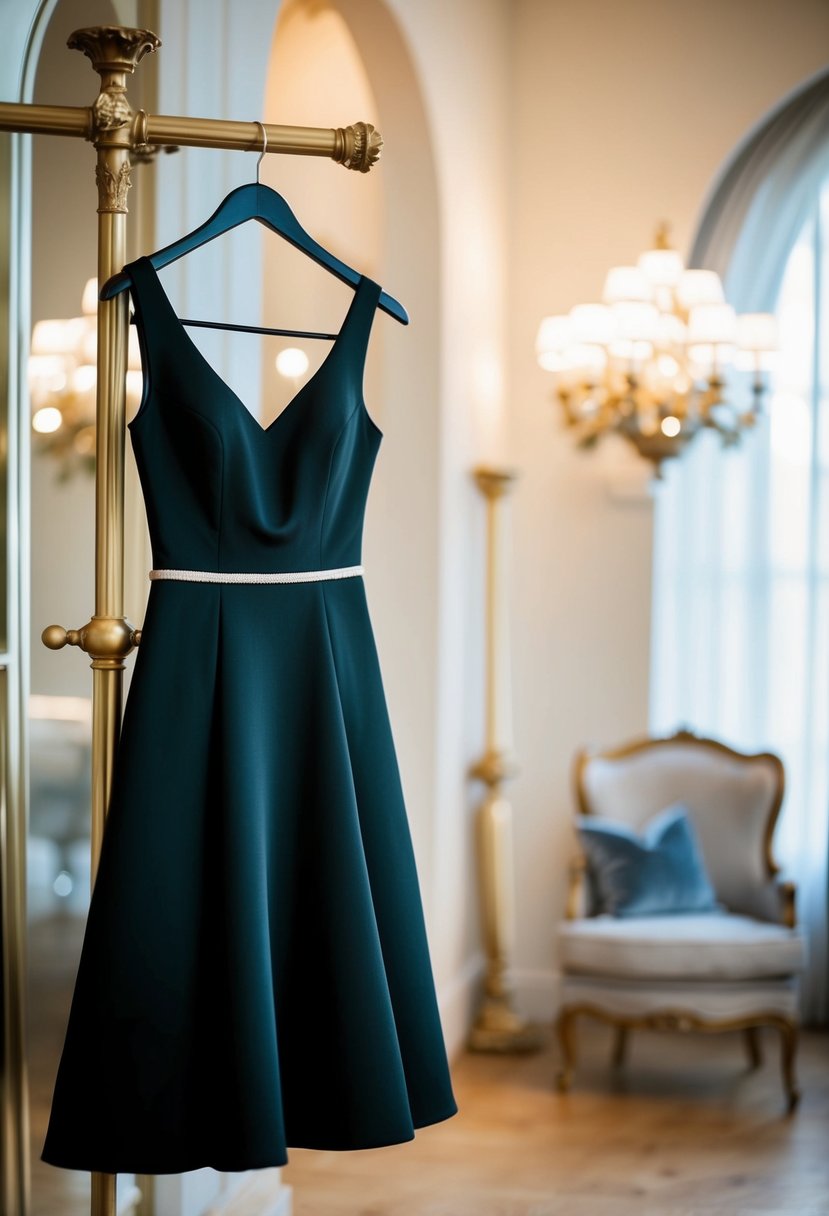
[{"x": 118, "y": 134}]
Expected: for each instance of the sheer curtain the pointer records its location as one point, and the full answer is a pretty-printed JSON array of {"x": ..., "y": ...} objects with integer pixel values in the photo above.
[{"x": 741, "y": 577}]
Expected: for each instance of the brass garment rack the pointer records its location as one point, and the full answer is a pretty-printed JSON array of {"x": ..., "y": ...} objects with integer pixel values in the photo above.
[{"x": 117, "y": 132}]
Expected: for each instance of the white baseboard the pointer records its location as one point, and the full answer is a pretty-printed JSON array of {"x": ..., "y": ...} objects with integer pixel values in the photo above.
[
  {"x": 537, "y": 992},
  {"x": 458, "y": 1001},
  {"x": 264, "y": 1194},
  {"x": 537, "y": 997}
]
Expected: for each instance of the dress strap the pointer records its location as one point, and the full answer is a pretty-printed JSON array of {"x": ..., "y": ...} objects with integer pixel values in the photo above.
[
  {"x": 360, "y": 317},
  {"x": 154, "y": 315},
  {"x": 151, "y": 303}
]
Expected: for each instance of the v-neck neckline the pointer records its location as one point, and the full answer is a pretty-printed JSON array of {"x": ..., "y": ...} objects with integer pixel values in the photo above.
[{"x": 272, "y": 425}]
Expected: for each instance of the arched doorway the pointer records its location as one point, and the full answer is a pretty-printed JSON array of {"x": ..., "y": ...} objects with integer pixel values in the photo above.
[{"x": 348, "y": 58}]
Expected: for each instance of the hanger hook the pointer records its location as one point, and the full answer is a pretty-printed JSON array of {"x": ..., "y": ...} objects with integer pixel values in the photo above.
[{"x": 264, "y": 147}]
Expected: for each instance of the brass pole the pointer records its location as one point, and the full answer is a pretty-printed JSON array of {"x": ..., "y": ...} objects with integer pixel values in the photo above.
[
  {"x": 46, "y": 120},
  {"x": 497, "y": 1027},
  {"x": 356, "y": 146}
]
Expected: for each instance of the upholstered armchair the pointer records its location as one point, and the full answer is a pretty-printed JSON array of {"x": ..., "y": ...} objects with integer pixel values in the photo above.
[{"x": 732, "y": 968}]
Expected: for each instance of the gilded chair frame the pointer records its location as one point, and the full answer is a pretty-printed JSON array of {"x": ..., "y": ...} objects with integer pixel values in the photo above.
[{"x": 681, "y": 1020}]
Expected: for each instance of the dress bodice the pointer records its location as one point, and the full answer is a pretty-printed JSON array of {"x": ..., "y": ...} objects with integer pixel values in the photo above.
[{"x": 224, "y": 493}]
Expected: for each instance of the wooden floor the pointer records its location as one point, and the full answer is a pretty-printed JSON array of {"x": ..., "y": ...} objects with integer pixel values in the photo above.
[{"x": 685, "y": 1130}]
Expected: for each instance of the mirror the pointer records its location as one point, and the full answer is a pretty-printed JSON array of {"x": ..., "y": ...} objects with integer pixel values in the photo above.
[{"x": 62, "y": 506}]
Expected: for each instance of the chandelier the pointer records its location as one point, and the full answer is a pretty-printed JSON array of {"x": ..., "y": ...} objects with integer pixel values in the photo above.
[
  {"x": 62, "y": 382},
  {"x": 650, "y": 361}
]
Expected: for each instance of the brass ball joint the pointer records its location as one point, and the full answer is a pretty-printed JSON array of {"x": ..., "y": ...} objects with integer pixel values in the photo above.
[{"x": 107, "y": 640}]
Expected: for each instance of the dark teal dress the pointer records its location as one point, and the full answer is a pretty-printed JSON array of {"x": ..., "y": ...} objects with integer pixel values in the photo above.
[{"x": 255, "y": 972}]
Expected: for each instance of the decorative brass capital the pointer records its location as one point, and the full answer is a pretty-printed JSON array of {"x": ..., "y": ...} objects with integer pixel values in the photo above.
[
  {"x": 494, "y": 483},
  {"x": 112, "y": 187},
  {"x": 113, "y": 48},
  {"x": 358, "y": 146}
]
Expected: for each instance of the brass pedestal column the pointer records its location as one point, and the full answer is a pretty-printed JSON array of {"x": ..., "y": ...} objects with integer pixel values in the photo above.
[{"x": 498, "y": 1027}]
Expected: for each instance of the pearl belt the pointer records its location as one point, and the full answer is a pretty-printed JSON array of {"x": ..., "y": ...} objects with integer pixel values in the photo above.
[{"x": 286, "y": 576}]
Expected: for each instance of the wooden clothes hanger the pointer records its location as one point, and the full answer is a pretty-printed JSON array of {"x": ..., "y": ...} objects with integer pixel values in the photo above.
[{"x": 255, "y": 201}]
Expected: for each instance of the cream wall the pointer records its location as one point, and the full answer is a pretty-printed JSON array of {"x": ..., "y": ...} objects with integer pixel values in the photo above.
[{"x": 621, "y": 115}]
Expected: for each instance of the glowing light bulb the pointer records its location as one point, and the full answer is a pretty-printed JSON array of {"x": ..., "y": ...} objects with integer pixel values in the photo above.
[
  {"x": 670, "y": 426},
  {"x": 292, "y": 362},
  {"x": 46, "y": 420},
  {"x": 89, "y": 300},
  {"x": 554, "y": 337}
]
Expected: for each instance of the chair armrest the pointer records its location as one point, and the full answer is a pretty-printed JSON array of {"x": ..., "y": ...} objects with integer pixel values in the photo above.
[
  {"x": 775, "y": 902},
  {"x": 577, "y": 897},
  {"x": 787, "y": 893}
]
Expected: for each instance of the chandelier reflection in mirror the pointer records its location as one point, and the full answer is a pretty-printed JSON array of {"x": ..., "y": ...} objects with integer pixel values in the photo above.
[
  {"x": 649, "y": 363},
  {"x": 62, "y": 384},
  {"x": 63, "y": 379}
]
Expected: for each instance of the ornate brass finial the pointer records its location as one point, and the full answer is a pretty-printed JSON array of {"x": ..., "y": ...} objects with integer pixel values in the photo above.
[
  {"x": 107, "y": 640},
  {"x": 358, "y": 146},
  {"x": 114, "y": 52},
  {"x": 56, "y": 637},
  {"x": 113, "y": 48}
]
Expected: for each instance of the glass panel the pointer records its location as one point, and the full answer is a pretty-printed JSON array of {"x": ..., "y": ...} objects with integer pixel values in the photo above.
[
  {"x": 62, "y": 529},
  {"x": 791, "y": 410},
  {"x": 743, "y": 569},
  {"x": 5, "y": 331}
]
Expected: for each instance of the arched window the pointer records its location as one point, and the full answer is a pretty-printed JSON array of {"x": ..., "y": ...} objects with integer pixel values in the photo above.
[{"x": 741, "y": 575}]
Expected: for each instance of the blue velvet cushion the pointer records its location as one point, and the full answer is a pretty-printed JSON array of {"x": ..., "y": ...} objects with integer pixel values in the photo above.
[{"x": 660, "y": 871}]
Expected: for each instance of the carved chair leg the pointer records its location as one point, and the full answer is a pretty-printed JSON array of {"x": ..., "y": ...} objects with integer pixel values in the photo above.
[
  {"x": 788, "y": 1046},
  {"x": 620, "y": 1044},
  {"x": 566, "y": 1031},
  {"x": 754, "y": 1051}
]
